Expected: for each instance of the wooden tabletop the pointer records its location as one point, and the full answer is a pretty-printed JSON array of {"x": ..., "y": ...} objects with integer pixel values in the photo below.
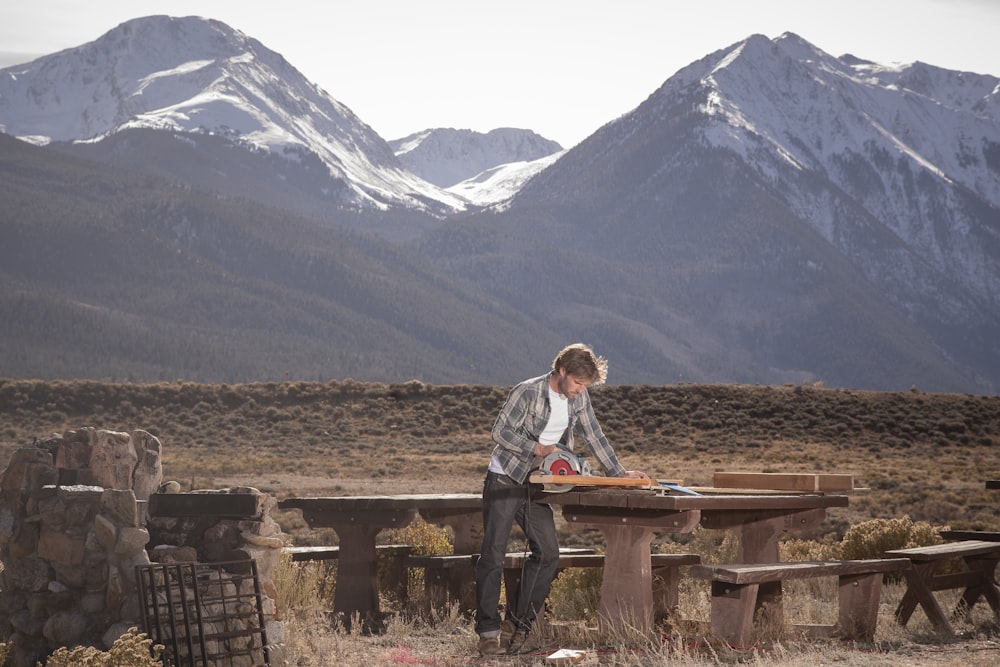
[
  {"x": 650, "y": 501},
  {"x": 630, "y": 499},
  {"x": 471, "y": 501}
]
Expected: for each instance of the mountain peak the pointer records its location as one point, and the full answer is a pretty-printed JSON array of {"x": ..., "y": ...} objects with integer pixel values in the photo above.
[
  {"x": 446, "y": 156},
  {"x": 200, "y": 76}
]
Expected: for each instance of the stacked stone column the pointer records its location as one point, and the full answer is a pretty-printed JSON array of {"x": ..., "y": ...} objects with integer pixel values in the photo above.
[
  {"x": 71, "y": 534},
  {"x": 75, "y": 524}
]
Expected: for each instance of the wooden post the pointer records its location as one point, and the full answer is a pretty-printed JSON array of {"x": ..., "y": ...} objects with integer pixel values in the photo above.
[{"x": 627, "y": 585}]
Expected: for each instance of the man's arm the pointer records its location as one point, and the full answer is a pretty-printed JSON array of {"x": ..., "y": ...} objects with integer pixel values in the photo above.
[
  {"x": 508, "y": 430},
  {"x": 600, "y": 446},
  {"x": 597, "y": 442}
]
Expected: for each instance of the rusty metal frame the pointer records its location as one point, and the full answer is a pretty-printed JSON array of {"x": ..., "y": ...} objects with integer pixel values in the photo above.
[{"x": 173, "y": 599}]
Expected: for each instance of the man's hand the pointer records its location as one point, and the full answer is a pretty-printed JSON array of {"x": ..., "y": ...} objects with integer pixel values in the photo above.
[
  {"x": 544, "y": 450},
  {"x": 635, "y": 474}
]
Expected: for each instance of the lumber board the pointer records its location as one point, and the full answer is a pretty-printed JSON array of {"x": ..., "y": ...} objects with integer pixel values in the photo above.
[
  {"x": 589, "y": 480},
  {"x": 597, "y": 480},
  {"x": 782, "y": 481}
]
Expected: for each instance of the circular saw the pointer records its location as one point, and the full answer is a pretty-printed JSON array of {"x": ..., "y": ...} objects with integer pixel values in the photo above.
[{"x": 563, "y": 463}]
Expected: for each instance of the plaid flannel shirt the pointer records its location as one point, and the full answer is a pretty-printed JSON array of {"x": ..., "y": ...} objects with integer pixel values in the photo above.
[{"x": 523, "y": 418}]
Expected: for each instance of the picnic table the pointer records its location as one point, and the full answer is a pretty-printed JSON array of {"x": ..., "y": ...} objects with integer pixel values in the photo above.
[
  {"x": 358, "y": 520},
  {"x": 630, "y": 519}
]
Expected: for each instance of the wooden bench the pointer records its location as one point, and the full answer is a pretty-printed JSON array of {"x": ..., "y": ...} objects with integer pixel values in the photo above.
[
  {"x": 739, "y": 589},
  {"x": 979, "y": 560},
  {"x": 309, "y": 553},
  {"x": 439, "y": 587},
  {"x": 451, "y": 576},
  {"x": 664, "y": 567},
  {"x": 394, "y": 555}
]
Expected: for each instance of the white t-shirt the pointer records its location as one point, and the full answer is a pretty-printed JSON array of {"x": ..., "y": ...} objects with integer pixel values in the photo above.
[
  {"x": 554, "y": 429},
  {"x": 558, "y": 419}
]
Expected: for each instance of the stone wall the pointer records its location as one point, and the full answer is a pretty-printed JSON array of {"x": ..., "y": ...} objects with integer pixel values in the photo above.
[
  {"x": 230, "y": 526},
  {"x": 74, "y": 526}
]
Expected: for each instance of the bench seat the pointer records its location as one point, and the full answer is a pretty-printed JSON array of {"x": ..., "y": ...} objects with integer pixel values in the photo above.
[
  {"x": 738, "y": 590},
  {"x": 512, "y": 559},
  {"x": 309, "y": 553}
]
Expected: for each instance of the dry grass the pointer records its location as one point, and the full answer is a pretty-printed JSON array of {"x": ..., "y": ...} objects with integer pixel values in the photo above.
[
  {"x": 315, "y": 641},
  {"x": 448, "y": 638}
]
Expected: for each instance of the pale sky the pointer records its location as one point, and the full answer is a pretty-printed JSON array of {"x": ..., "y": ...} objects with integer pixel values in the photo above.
[{"x": 560, "y": 67}]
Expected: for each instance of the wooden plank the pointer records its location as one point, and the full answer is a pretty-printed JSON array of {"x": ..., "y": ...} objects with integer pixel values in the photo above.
[
  {"x": 802, "y": 482},
  {"x": 739, "y": 491},
  {"x": 984, "y": 535},
  {"x": 300, "y": 554},
  {"x": 590, "y": 480},
  {"x": 598, "y": 481},
  {"x": 742, "y": 573},
  {"x": 208, "y": 504},
  {"x": 307, "y": 553},
  {"x": 965, "y": 548}
]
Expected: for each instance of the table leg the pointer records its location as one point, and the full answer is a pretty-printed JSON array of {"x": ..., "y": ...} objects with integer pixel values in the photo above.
[
  {"x": 985, "y": 587},
  {"x": 357, "y": 567},
  {"x": 467, "y": 527},
  {"x": 627, "y": 586},
  {"x": 758, "y": 543},
  {"x": 758, "y": 537},
  {"x": 357, "y": 572}
]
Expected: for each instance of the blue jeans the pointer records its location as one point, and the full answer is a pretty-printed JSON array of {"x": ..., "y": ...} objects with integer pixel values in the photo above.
[{"x": 504, "y": 502}]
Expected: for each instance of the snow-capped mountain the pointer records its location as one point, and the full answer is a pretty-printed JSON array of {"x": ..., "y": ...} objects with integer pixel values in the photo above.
[
  {"x": 913, "y": 150},
  {"x": 771, "y": 213},
  {"x": 446, "y": 157},
  {"x": 495, "y": 186},
  {"x": 196, "y": 75}
]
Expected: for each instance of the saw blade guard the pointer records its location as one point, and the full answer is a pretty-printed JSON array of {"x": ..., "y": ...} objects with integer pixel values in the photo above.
[
  {"x": 560, "y": 463},
  {"x": 563, "y": 463}
]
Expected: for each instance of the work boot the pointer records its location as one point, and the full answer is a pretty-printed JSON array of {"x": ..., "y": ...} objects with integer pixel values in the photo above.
[
  {"x": 489, "y": 646},
  {"x": 506, "y": 632},
  {"x": 517, "y": 642}
]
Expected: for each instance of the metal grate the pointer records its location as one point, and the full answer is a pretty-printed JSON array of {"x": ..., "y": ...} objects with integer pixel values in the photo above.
[{"x": 204, "y": 614}]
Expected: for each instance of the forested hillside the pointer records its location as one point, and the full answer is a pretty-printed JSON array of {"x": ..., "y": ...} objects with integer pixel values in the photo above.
[{"x": 110, "y": 275}]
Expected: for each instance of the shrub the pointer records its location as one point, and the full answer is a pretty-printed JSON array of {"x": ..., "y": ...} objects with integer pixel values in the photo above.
[
  {"x": 714, "y": 546},
  {"x": 301, "y": 587},
  {"x": 132, "y": 649},
  {"x": 576, "y": 594},
  {"x": 426, "y": 540},
  {"x": 794, "y": 550},
  {"x": 871, "y": 539}
]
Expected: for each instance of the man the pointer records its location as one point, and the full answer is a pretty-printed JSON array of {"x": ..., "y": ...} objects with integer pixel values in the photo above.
[{"x": 537, "y": 415}]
